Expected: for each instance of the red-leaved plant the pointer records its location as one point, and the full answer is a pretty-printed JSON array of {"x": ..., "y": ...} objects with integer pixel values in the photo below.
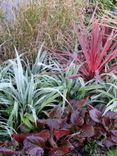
[
  {"x": 69, "y": 133},
  {"x": 98, "y": 48}
]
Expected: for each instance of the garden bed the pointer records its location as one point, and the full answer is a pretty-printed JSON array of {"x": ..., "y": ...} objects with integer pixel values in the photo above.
[{"x": 61, "y": 100}]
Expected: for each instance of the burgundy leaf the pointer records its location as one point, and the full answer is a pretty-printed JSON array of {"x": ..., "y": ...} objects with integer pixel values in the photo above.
[
  {"x": 87, "y": 131},
  {"x": 95, "y": 115},
  {"x": 53, "y": 123},
  {"x": 60, "y": 133},
  {"x": 65, "y": 125},
  {"x": 74, "y": 117},
  {"x": 67, "y": 112},
  {"x": 100, "y": 107},
  {"x": 77, "y": 119},
  {"x": 19, "y": 137},
  {"x": 56, "y": 112},
  {"x": 80, "y": 121},
  {"x": 34, "y": 145},
  {"x": 115, "y": 124},
  {"x": 108, "y": 143},
  {"x": 107, "y": 123},
  {"x": 82, "y": 102},
  {"x": 99, "y": 131},
  {"x": 33, "y": 141},
  {"x": 111, "y": 115},
  {"x": 45, "y": 134},
  {"x": 114, "y": 132},
  {"x": 114, "y": 138},
  {"x": 6, "y": 152},
  {"x": 41, "y": 123},
  {"x": 79, "y": 104},
  {"x": 65, "y": 148},
  {"x": 36, "y": 151}
]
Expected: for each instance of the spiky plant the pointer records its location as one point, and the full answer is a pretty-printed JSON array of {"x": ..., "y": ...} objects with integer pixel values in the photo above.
[
  {"x": 23, "y": 95},
  {"x": 98, "y": 49}
]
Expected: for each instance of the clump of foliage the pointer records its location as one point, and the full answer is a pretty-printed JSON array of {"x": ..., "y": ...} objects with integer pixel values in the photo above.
[
  {"x": 29, "y": 90},
  {"x": 61, "y": 133},
  {"x": 108, "y": 93},
  {"x": 64, "y": 105},
  {"x": 25, "y": 91},
  {"x": 49, "y": 21},
  {"x": 98, "y": 48}
]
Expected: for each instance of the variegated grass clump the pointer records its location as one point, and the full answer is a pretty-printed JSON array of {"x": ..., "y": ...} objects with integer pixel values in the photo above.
[
  {"x": 107, "y": 94},
  {"x": 27, "y": 90}
]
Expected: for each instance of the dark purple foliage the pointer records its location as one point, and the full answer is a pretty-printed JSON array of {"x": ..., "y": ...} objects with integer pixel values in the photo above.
[{"x": 62, "y": 133}]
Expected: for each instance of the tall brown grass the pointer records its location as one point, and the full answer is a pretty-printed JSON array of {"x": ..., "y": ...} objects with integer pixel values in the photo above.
[{"x": 49, "y": 21}]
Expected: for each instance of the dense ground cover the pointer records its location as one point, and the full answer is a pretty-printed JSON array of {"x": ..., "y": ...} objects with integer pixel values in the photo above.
[{"x": 58, "y": 95}]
